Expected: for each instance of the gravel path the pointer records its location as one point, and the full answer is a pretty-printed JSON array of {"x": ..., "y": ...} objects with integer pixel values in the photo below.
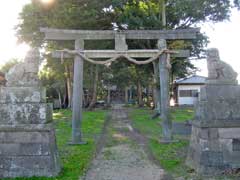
[{"x": 122, "y": 158}]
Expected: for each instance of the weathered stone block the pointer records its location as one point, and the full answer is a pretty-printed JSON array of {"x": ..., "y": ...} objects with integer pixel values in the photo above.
[
  {"x": 24, "y": 137},
  {"x": 24, "y": 149},
  {"x": 27, "y": 154},
  {"x": 214, "y": 155},
  {"x": 27, "y": 138},
  {"x": 232, "y": 158},
  {"x": 211, "y": 158},
  {"x": 22, "y": 95},
  {"x": 229, "y": 133},
  {"x": 208, "y": 133},
  {"x": 28, "y": 166},
  {"x": 219, "y": 110},
  {"x": 236, "y": 145},
  {"x": 25, "y": 113},
  {"x": 219, "y": 92}
]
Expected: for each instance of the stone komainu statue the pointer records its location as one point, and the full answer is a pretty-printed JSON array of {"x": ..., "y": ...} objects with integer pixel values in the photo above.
[
  {"x": 27, "y": 136},
  {"x": 214, "y": 147},
  {"x": 26, "y": 73},
  {"x": 219, "y": 72}
]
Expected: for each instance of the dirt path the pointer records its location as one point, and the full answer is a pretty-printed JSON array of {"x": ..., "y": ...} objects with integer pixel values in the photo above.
[{"x": 123, "y": 156}]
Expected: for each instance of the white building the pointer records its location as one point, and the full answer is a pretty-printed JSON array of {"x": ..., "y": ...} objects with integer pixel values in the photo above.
[{"x": 188, "y": 89}]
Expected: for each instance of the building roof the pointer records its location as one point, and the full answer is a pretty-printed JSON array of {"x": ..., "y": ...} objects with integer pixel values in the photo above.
[{"x": 194, "y": 79}]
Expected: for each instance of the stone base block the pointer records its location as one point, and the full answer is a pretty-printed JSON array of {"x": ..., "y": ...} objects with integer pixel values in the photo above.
[
  {"x": 25, "y": 113},
  {"x": 22, "y": 95},
  {"x": 219, "y": 103},
  {"x": 27, "y": 151},
  {"x": 214, "y": 150}
]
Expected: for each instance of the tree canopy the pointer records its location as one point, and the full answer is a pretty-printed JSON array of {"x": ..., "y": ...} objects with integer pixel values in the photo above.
[{"x": 118, "y": 14}]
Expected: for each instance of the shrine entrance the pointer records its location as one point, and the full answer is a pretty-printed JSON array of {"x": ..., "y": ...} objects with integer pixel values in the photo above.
[{"x": 161, "y": 54}]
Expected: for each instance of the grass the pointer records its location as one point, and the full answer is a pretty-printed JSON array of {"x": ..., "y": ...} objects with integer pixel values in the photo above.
[
  {"x": 170, "y": 156},
  {"x": 75, "y": 159},
  {"x": 182, "y": 114},
  {"x": 141, "y": 119}
]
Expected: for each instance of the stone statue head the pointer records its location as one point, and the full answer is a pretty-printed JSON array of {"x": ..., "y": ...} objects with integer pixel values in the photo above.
[
  {"x": 219, "y": 72},
  {"x": 25, "y": 73},
  {"x": 213, "y": 54},
  {"x": 32, "y": 56}
]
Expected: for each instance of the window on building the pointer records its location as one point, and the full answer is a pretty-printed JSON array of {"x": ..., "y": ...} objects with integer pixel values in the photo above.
[{"x": 188, "y": 93}]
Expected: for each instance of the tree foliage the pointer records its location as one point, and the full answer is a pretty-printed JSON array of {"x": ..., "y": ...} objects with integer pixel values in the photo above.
[
  {"x": 8, "y": 65},
  {"x": 119, "y": 14}
]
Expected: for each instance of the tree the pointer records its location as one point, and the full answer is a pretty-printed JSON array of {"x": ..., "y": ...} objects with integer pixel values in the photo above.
[
  {"x": 122, "y": 14},
  {"x": 8, "y": 65},
  {"x": 75, "y": 14},
  {"x": 61, "y": 14},
  {"x": 147, "y": 14}
]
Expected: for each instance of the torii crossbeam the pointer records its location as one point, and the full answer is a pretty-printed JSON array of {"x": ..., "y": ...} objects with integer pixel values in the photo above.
[{"x": 120, "y": 37}]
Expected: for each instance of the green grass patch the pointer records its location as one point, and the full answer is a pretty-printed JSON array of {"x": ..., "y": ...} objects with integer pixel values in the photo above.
[
  {"x": 75, "y": 159},
  {"x": 182, "y": 114},
  {"x": 142, "y": 121},
  {"x": 170, "y": 156}
]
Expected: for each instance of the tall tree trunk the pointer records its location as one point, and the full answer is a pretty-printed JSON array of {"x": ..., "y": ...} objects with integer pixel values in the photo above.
[
  {"x": 65, "y": 97},
  {"x": 69, "y": 85},
  {"x": 108, "y": 96},
  {"x": 140, "y": 98},
  {"x": 131, "y": 94},
  {"x": 156, "y": 90},
  {"x": 59, "y": 98},
  {"x": 126, "y": 95},
  {"x": 94, "y": 93},
  {"x": 149, "y": 95}
]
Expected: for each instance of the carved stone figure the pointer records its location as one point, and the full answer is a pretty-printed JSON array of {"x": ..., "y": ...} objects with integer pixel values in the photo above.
[
  {"x": 219, "y": 72},
  {"x": 27, "y": 137},
  {"x": 215, "y": 139},
  {"x": 26, "y": 73}
]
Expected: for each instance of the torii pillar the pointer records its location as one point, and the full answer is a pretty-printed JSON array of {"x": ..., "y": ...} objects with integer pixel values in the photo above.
[
  {"x": 164, "y": 93},
  {"x": 120, "y": 48},
  {"x": 77, "y": 95}
]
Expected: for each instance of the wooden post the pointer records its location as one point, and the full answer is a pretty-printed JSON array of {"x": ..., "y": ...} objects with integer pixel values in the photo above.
[
  {"x": 77, "y": 96},
  {"x": 164, "y": 84}
]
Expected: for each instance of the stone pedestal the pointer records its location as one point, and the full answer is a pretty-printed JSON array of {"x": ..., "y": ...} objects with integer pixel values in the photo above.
[
  {"x": 215, "y": 140},
  {"x": 27, "y": 151},
  {"x": 27, "y": 138}
]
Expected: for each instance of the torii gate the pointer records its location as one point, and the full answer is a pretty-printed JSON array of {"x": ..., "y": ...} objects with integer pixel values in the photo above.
[{"x": 121, "y": 50}]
